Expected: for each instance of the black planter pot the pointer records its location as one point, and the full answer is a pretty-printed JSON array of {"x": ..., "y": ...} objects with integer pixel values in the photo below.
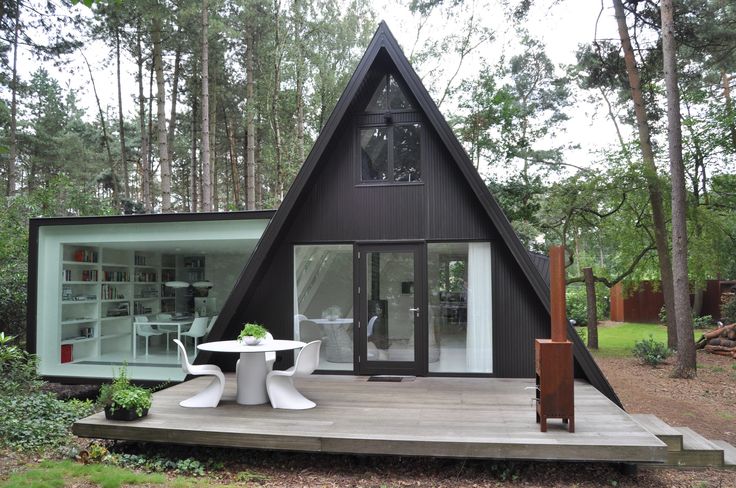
[{"x": 124, "y": 414}]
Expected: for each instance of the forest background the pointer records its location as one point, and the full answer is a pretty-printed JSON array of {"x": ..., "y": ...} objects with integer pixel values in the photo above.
[{"x": 214, "y": 105}]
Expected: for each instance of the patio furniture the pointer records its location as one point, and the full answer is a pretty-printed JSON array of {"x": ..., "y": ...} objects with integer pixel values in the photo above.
[
  {"x": 270, "y": 356},
  {"x": 164, "y": 327},
  {"x": 280, "y": 384},
  {"x": 210, "y": 325},
  {"x": 251, "y": 375},
  {"x": 197, "y": 330},
  {"x": 141, "y": 327},
  {"x": 211, "y": 395},
  {"x": 338, "y": 334}
]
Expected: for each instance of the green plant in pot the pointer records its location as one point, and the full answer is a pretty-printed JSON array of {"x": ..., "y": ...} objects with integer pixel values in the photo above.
[
  {"x": 122, "y": 400},
  {"x": 252, "y": 334}
]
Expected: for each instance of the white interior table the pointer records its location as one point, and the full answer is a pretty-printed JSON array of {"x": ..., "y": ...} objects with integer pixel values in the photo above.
[
  {"x": 252, "y": 370},
  {"x": 164, "y": 326}
]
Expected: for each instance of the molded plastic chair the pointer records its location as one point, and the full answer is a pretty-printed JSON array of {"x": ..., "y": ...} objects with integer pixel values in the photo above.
[
  {"x": 143, "y": 329},
  {"x": 197, "y": 330},
  {"x": 211, "y": 395},
  {"x": 280, "y": 384},
  {"x": 270, "y": 357},
  {"x": 210, "y": 325}
]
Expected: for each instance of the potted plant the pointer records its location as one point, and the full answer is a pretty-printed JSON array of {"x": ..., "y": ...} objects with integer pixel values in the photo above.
[
  {"x": 252, "y": 334},
  {"x": 332, "y": 313},
  {"x": 123, "y": 400}
]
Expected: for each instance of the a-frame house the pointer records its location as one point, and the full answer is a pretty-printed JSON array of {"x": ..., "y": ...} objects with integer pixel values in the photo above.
[{"x": 390, "y": 248}]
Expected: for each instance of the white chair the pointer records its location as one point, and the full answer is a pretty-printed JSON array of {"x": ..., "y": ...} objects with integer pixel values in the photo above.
[
  {"x": 210, "y": 325},
  {"x": 143, "y": 329},
  {"x": 280, "y": 384},
  {"x": 211, "y": 395},
  {"x": 197, "y": 331},
  {"x": 270, "y": 357}
]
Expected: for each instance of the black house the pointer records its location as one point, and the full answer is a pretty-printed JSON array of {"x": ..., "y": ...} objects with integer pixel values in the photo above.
[{"x": 390, "y": 248}]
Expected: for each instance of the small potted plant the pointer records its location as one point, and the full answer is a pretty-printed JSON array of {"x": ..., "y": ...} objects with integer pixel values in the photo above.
[
  {"x": 332, "y": 313},
  {"x": 123, "y": 400},
  {"x": 252, "y": 334}
]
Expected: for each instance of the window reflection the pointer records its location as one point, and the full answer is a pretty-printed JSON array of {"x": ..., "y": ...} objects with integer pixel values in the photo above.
[{"x": 374, "y": 154}]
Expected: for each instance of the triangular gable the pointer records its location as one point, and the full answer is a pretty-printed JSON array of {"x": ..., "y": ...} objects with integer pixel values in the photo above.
[{"x": 383, "y": 39}]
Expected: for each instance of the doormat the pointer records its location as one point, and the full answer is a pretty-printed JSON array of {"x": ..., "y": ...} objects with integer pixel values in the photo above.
[{"x": 391, "y": 379}]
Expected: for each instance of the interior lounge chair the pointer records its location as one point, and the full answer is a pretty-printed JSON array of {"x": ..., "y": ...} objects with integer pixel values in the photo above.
[
  {"x": 211, "y": 395},
  {"x": 280, "y": 384}
]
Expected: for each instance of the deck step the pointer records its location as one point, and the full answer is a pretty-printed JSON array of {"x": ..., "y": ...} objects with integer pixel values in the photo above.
[
  {"x": 697, "y": 451},
  {"x": 729, "y": 453},
  {"x": 667, "y": 434}
]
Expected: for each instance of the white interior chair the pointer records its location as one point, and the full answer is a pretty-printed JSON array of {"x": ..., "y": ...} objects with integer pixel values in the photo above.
[
  {"x": 143, "y": 329},
  {"x": 210, "y": 325},
  {"x": 211, "y": 395},
  {"x": 197, "y": 331},
  {"x": 280, "y": 384},
  {"x": 270, "y": 357}
]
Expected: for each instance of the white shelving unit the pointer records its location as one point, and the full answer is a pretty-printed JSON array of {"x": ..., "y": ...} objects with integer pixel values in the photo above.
[{"x": 102, "y": 288}]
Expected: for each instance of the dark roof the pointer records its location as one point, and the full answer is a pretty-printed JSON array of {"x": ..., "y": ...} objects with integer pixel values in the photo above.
[
  {"x": 383, "y": 40},
  {"x": 541, "y": 262}
]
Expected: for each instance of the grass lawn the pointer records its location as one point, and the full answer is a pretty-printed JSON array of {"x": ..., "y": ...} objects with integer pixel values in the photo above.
[{"x": 618, "y": 340}]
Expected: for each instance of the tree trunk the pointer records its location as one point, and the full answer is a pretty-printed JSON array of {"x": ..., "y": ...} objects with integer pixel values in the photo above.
[
  {"x": 152, "y": 171},
  {"x": 234, "y": 174},
  {"x": 592, "y": 308},
  {"x": 163, "y": 136},
  {"x": 206, "y": 170},
  {"x": 650, "y": 173},
  {"x": 105, "y": 138},
  {"x": 213, "y": 142},
  {"x": 13, "y": 156},
  {"x": 145, "y": 164},
  {"x": 121, "y": 117},
  {"x": 174, "y": 96},
  {"x": 686, "y": 366},
  {"x": 726, "y": 81},
  {"x": 250, "y": 165},
  {"x": 193, "y": 171},
  {"x": 275, "y": 119}
]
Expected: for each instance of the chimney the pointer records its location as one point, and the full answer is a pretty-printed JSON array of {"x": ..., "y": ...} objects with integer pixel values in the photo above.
[{"x": 557, "y": 293}]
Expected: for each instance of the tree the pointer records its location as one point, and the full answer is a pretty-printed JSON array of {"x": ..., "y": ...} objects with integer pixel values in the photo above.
[
  {"x": 686, "y": 366},
  {"x": 650, "y": 171},
  {"x": 205, "y": 145}
]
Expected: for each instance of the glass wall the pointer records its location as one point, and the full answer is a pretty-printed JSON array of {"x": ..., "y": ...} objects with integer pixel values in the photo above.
[
  {"x": 114, "y": 294},
  {"x": 460, "y": 308},
  {"x": 323, "y": 301}
]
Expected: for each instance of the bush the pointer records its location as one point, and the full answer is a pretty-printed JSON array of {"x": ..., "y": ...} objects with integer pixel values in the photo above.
[
  {"x": 651, "y": 352},
  {"x": 577, "y": 304},
  {"x": 31, "y": 420},
  {"x": 703, "y": 322},
  {"x": 728, "y": 311}
]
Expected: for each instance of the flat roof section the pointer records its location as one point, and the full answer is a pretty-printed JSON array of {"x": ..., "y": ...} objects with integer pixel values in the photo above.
[{"x": 443, "y": 417}]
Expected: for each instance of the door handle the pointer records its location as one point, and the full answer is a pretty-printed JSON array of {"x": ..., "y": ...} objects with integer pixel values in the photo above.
[{"x": 415, "y": 310}]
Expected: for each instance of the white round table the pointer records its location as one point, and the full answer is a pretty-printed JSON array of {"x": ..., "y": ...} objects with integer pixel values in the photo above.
[{"x": 252, "y": 371}]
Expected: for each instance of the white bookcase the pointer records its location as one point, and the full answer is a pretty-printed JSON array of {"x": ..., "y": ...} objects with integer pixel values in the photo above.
[{"x": 102, "y": 288}]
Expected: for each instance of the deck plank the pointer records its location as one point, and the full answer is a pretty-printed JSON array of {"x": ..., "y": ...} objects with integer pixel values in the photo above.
[{"x": 446, "y": 417}]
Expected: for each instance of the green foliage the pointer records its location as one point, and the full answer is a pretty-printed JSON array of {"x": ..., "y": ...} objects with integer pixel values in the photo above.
[
  {"x": 253, "y": 330},
  {"x": 704, "y": 322},
  {"x": 161, "y": 464},
  {"x": 57, "y": 474},
  {"x": 577, "y": 304},
  {"x": 17, "y": 369},
  {"x": 31, "y": 420},
  {"x": 728, "y": 311},
  {"x": 250, "y": 477},
  {"x": 651, "y": 352},
  {"x": 583, "y": 333},
  {"x": 121, "y": 394}
]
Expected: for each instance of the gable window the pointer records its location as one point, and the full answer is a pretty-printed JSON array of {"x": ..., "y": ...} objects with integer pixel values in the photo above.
[{"x": 390, "y": 150}]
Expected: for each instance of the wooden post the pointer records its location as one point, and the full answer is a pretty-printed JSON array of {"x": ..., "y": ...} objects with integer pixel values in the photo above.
[
  {"x": 592, "y": 308},
  {"x": 557, "y": 293}
]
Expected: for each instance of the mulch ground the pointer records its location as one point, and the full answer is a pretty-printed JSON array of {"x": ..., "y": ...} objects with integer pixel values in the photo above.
[{"x": 704, "y": 404}]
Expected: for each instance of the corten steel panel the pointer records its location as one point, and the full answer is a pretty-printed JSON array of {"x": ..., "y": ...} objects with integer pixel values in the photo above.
[
  {"x": 518, "y": 319},
  {"x": 558, "y": 310},
  {"x": 617, "y": 303},
  {"x": 641, "y": 304}
]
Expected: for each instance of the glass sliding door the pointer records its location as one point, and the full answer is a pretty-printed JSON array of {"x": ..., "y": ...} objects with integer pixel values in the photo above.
[
  {"x": 390, "y": 291},
  {"x": 460, "y": 328},
  {"x": 323, "y": 301}
]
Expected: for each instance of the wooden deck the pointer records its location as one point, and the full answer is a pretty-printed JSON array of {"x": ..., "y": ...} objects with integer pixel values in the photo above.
[{"x": 444, "y": 417}]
